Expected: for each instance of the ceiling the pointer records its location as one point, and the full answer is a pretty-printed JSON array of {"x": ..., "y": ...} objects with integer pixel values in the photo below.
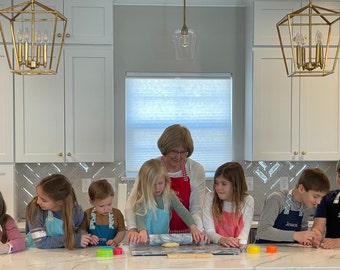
[{"x": 201, "y": 3}]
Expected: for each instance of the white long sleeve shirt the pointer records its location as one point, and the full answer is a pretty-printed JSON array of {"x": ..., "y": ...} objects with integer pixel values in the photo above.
[{"x": 247, "y": 213}]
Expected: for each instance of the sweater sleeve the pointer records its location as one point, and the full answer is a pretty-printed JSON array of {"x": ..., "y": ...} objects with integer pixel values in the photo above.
[
  {"x": 14, "y": 236},
  {"x": 197, "y": 184},
  {"x": 119, "y": 220},
  {"x": 57, "y": 241},
  {"x": 181, "y": 210},
  {"x": 273, "y": 206},
  {"x": 208, "y": 219},
  {"x": 247, "y": 215},
  {"x": 130, "y": 216},
  {"x": 139, "y": 219}
]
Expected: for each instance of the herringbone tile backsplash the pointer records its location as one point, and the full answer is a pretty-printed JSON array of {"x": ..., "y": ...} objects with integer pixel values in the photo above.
[{"x": 263, "y": 178}]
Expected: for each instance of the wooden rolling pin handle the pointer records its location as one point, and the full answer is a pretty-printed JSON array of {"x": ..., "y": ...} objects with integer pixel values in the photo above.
[{"x": 189, "y": 255}]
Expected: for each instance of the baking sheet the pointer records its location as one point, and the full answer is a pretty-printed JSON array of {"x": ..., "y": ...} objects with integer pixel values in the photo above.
[{"x": 148, "y": 250}]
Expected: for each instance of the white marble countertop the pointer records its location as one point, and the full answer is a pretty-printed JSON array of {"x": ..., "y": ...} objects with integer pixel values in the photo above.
[{"x": 288, "y": 257}]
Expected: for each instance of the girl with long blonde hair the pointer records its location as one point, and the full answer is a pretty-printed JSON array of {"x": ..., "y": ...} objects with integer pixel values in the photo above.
[{"x": 153, "y": 201}]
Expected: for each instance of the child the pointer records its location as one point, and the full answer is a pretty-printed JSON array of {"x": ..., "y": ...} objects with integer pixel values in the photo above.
[
  {"x": 154, "y": 200},
  {"x": 54, "y": 215},
  {"x": 228, "y": 211},
  {"x": 102, "y": 221},
  {"x": 327, "y": 218},
  {"x": 285, "y": 214},
  {"x": 11, "y": 239}
]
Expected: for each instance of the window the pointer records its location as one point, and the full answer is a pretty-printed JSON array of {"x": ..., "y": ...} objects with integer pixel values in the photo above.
[{"x": 201, "y": 102}]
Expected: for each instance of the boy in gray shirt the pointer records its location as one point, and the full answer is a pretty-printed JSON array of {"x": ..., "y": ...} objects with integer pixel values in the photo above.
[{"x": 285, "y": 214}]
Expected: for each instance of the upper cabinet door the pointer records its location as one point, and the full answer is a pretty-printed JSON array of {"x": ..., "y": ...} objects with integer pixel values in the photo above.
[
  {"x": 5, "y": 23},
  {"x": 271, "y": 124},
  {"x": 88, "y": 104},
  {"x": 266, "y": 16},
  {"x": 320, "y": 117},
  {"x": 6, "y": 110},
  {"x": 39, "y": 118},
  {"x": 89, "y": 22}
]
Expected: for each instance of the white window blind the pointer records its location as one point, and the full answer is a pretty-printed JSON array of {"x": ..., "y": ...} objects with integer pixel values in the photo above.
[{"x": 201, "y": 102}]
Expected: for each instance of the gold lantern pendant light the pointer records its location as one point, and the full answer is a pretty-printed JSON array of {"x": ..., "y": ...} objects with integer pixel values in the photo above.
[
  {"x": 185, "y": 40},
  {"x": 32, "y": 28},
  {"x": 306, "y": 41}
]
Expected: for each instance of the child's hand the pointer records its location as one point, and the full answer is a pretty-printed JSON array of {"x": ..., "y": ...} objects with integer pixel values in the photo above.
[
  {"x": 94, "y": 240},
  {"x": 4, "y": 248},
  {"x": 85, "y": 240},
  {"x": 198, "y": 236},
  {"x": 132, "y": 237},
  {"x": 143, "y": 237},
  {"x": 111, "y": 242},
  {"x": 330, "y": 243},
  {"x": 229, "y": 242},
  {"x": 305, "y": 237}
]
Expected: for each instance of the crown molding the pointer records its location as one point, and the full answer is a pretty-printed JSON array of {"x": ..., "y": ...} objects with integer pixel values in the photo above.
[{"x": 198, "y": 3}]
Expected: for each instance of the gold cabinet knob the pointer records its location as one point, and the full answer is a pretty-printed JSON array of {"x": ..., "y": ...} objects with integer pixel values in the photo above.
[
  {"x": 60, "y": 154},
  {"x": 59, "y": 35},
  {"x": 296, "y": 153},
  {"x": 69, "y": 154},
  {"x": 303, "y": 153}
]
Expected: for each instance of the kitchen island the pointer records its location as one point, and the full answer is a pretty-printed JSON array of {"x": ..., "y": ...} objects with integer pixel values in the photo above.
[{"x": 287, "y": 257}]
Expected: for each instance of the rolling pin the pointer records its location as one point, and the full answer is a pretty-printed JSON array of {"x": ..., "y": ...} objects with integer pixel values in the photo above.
[{"x": 189, "y": 255}]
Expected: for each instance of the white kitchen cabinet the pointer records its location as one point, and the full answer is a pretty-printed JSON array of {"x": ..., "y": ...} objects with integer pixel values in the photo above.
[
  {"x": 6, "y": 110},
  {"x": 290, "y": 118},
  {"x": 8, "y": 188},
  {"x": 67, "y": 117},
  {"x": 5, "y": 4},
  {"x": 88, "y": 21},
  {"x": 266, "y": 16}
]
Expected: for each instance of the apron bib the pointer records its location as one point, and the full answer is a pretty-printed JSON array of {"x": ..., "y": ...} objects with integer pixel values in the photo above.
[
  {"x": 230, "y": 225},
  {"x": 181, "y": 186},
  {"x": 157, "y": 222},
  {"x": 287, "y": 220},
  {"x": 104, "y": 232}
]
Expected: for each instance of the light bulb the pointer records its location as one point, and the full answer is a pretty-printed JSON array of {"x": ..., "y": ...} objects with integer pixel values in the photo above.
[
  {"x": 184, "y": 41},
  {"x": 26, "y": 34},
  {"x": 45, "y": 37},
  {"x": 20, "y": 36},
  {"x": 38, "y": 37}
]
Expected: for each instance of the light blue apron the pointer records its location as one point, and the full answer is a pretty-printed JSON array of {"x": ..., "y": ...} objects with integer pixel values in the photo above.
[
  {"x": 158, "y": 222},
  {"x": 53, "y": 227}
]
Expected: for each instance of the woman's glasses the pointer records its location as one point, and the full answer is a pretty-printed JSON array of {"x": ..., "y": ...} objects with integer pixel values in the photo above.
[{"x": 181, "y": 153}]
